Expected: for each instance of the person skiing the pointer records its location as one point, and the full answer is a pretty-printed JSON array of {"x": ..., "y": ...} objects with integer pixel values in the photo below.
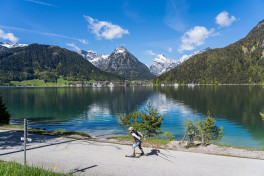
[{"x": 136, "y": 135}]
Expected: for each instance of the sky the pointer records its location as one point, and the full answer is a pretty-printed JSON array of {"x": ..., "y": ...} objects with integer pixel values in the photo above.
[{"x": 145, "y": 27}]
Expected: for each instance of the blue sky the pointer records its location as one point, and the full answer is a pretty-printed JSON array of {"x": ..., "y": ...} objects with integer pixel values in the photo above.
[{"x": 145, "y": 27}]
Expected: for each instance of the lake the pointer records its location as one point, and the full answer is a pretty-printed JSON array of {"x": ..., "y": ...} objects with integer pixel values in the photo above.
[{"x": 96, "y": 111}]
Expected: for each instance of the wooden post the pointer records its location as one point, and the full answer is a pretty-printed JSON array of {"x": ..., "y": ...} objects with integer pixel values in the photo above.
[{"x": 25, "y": 141}]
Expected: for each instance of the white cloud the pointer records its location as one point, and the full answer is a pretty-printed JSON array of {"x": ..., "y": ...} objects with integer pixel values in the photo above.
[
  {"x": 104, "y": 29},
  {"x": 8, "y": 36},
  {"x": 169, "y": 49},
  {"x": 224, "y": 20},
  {"x": 149, "y": 52},
  {"x": 195, "y": 37},
  {"x": 74, "y": 46},
  {"x": 83, "y": 41}
]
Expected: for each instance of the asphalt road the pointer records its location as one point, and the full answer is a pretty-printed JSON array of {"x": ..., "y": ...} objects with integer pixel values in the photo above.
[{"x": 94, "y": 158}]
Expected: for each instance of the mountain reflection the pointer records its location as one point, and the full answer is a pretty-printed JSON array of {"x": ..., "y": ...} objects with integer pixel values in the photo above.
[{"x": 236, "y": 104}]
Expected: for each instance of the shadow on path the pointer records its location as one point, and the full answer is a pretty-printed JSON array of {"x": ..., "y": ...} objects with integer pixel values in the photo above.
[
  {"x": 37, "y": 147},
  {"x": 82, "y": 170},
  {"x": 157, "y": 152}
]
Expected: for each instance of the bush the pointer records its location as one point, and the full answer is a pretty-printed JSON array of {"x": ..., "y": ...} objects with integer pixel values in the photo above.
[
  {"x": 168, "y": 135},
  {"x": 4, "y": 114},
  {"x": 148, "y": 121}
]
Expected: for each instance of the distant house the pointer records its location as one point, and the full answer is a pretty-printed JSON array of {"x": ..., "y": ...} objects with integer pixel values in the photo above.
[
  {"x": 98, "y": 84},
  {"x": 79, "y": 85},
  {"x": 111, "y": 85},
  {"x": 166, "y": 84}
]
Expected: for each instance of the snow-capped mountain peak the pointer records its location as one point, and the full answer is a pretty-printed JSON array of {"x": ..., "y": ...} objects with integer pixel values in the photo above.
[
  {"x": 96, "y": 59},
  {"x": 12, "y": 45},
  {"x": 162, "y": 64},
  {"x": 160, "y": 58},
  {"x": 120, "y": 49}
]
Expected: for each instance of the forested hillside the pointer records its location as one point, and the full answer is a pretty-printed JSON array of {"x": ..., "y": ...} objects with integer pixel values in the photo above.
[
  {"x": 241, "y": 62},
  {"x": 47, "y": 63}
]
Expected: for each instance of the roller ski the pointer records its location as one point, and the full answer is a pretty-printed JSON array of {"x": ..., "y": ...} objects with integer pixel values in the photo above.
[
  {"x": 132, "y": 156},
  {"x": 142, "y": 154}
]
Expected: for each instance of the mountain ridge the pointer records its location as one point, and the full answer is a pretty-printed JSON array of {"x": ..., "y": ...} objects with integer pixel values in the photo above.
[
  {"x": 239, "y": 63},
  {"x": 48, "y": 63}
]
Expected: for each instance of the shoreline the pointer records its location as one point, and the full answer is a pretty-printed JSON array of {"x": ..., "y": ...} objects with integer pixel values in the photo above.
[
  {"x": 165, "y": 144},
  {"x": 262, "y": 84}
]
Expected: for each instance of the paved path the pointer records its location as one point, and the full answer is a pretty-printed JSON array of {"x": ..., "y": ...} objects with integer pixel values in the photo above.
[{"x": 93, "y": 158}]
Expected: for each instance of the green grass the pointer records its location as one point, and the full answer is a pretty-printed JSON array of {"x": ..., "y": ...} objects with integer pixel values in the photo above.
[
  {"x": 159, "y": 142},
  {"x": 246, "y": 148},
  {"x": 64, "y": 132},
  {"x": 60, "y": 132},
  {"x": 15, "y": 169},
  {"x": 11, "y": 126},
  {"x": 37, "y": 82}
]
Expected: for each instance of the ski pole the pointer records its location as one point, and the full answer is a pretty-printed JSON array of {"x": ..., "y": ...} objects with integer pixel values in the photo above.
[
  {"x": 155, "y": 144},
  {"x": 152, "y": 147}
]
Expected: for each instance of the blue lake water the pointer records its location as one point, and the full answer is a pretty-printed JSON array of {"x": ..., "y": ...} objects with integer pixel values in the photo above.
[{"x": 96, "y": 111}]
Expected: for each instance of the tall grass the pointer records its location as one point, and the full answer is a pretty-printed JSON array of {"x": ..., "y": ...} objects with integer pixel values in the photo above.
[{"x": 15, "y": 169}]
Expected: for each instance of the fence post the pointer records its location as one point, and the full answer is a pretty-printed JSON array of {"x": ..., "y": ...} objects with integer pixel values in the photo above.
[{"x": 25, "y": 140}]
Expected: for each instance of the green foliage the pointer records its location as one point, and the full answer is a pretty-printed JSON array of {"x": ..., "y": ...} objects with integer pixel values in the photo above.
[
  {"x": 12, "y": 168},
  {"x": 4, "y": 114},
  {"x": 206, "y": 130},
  {"x": 209, "y": 130},
  {"x": 168, "y": 135},
  {"x": 47, "y": 63},
  {"x": 239, "y": 63},
  {"x": 262, "y": 115},
  {"x": 148, "y": 121}
]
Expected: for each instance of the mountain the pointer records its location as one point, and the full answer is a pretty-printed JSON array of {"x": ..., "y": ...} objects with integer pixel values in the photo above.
[
  {"x": 5, "y": 46},
  {"x": 123, "y": 63},
  {"x": 99, "y": 60},
  {"x": 162, "y": 64},
  {"x": 47, "y": 63},
  {"x": 239, "y": 63}
]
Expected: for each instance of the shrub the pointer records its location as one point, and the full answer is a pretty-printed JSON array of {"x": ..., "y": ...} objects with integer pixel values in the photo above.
[{"x": 4, "y": 114}]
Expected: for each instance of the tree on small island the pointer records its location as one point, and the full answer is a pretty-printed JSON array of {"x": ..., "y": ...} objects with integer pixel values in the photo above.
[{"x": 4, "y": 114}]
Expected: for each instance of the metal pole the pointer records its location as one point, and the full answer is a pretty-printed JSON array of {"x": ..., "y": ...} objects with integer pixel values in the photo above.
[{"x": 25, "y": 140}]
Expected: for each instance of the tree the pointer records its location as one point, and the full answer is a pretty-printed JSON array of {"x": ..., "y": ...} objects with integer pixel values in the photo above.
[
  {"x": 209, "y": 132},
  {"x": 148, "y": 121},
  {"x": 4, "y": 114},
  {"x": 205, "y": 130}
]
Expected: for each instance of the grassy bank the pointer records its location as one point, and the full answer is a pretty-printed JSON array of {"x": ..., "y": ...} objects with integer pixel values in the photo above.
[
  {"x": 58, "y": 132},
  {"x": 12, "y": 168},
  {"x": 159, "y": 142},
  {"x": 41, "y": 83}
]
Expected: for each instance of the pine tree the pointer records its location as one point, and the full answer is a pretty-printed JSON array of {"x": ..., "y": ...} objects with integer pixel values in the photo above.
[
  {"x": 148, "y": 121},
  {"x": 4, "y": 114},
  {"x": 209, "y": 131},
  {"x": 151, "y": 120}
]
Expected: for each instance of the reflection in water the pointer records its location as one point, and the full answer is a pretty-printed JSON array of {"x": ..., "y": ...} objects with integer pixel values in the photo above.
[
  {"x": 236, "y": 108},
  {"x": 97, "y": 110}
]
